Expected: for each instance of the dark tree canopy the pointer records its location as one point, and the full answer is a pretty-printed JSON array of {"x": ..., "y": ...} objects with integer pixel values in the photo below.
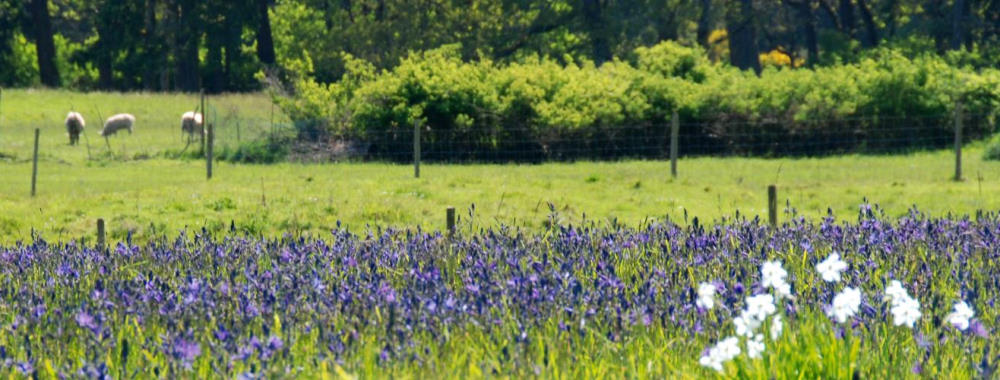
[{"x": 187, "y": 45}]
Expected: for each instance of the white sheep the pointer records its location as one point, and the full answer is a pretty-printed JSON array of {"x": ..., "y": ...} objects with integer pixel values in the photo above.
[
  {"x": 191, "y": 123},
  {"x": 116, "y": 123},
  {"x": 74, "y": 126}
]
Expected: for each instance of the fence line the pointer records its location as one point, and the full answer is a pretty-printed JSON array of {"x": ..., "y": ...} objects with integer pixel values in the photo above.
[{"x": 857, "y": 134}]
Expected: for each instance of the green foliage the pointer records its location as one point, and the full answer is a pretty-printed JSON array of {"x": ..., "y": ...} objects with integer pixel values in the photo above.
[
  {"x": 267, "y": 150},
  {"x": 992, "y": 152},
  {"x": 18, "y": 66},
  {"x": 484, "y": 107}
]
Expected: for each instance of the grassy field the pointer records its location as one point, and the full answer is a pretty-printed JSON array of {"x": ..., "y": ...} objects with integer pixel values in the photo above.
[
  {"x": 161, "y": 195},
  {"x": 148, "y": 195},
  {"x": 140, "y": 191},
  {"x": 236, "y": 117}
]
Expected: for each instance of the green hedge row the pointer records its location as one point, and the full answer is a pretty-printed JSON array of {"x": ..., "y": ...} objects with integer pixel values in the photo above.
[{"x": 542, "y": 108}]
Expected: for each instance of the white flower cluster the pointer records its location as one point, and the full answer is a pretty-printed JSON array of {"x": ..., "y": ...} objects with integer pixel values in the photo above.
[
  {"x": 706, "y": 296},
  {"x": 845, "y": 304},
  {"x": 830, "y": 268},
  {"x": 773, "y": 276},
  {"x": 724, "y": 351},
  {"x": 960, "y": 316},
  {"x": 905, "y": 309},
  {"x": 758, "y": 309}
]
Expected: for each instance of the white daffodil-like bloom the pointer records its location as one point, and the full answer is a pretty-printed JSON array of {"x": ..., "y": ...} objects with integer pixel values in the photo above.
[
  {"x": 730, "y": 347},
  {"x": 845, "y": 304},
  {"x": 706, "y": 296},
  {"x": 761, "y": 306},
  {"x": 755, "y": 346},
  {"x": 783, "y": 290},
  {"x": 724, "y": 351},
  {"x": 776, "y": 327},
  {"x": 830, "y": 268},
  {"x": 895, "y": 291},
  {"x": 708, "y": 360},
  {"x": 758, "y": 308},
  {"x": 905, "y": 309},
  {"x": 960, "y": 315},
  {"x": 772, "y": 274},
  {"x": 746, "y": 324},
  {"x": 905, "y": 312}
]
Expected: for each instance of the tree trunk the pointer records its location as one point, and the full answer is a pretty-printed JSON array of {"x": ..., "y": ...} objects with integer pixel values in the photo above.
[
  {"x": 265, "y": 42},
  {"x": 742, "y": 36},
  {"x": 704, "y": 23},
  {"x": 805, "y": 11},
  {"x": 892, "y": 21},
  {"x": 846, "y": 15},
  {"x": 44, "y": 45},
  {"x": 593, "y": 19},
  {"x": 957, "y": 24},
  {"x": 151, "y": 50},
  {"x": 188, "y": 33},
  {"x": 871, "y": 30},
  {"x": 214, "y": 73}
]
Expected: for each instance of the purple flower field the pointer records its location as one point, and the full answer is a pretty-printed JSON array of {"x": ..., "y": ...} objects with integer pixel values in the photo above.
[{"x": 597, "y": 300}]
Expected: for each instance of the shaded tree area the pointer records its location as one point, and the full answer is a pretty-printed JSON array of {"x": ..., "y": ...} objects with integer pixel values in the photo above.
[{"x": 186, "y": 45}]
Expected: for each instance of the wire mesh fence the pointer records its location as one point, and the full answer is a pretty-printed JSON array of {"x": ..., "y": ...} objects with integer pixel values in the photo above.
[{"x": 762, "y": 138}]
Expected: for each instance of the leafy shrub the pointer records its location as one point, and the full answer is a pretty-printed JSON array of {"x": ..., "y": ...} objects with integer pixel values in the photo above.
[
  {"x": 268, "y": 150},
  {"x": 18, "y": 67},
  {"x": 992, "y": 152},
  {"x": 541, "y": 108}
]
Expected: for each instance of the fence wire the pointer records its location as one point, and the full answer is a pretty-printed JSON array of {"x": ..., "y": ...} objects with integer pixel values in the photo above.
[{"x": 468, "y": 144}]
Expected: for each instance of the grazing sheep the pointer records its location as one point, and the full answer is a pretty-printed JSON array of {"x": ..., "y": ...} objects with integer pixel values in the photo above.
[
  {"x": 74, "y": 126},
  {"x": 116, "y": 123},
  {"x": 191, "y": 123}
]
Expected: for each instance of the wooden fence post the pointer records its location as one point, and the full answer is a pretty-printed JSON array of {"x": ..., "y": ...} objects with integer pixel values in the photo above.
[
  {"x": 204, "y": 118},
  {"x": 208, "y": 153},
  {"x": 450, "y": 219},
  {"x": 416, "y": 149},
  {"x": 958, "y": 140},
  {"x": 772, "y": 205},
  {"x": 100, "y": 233},
  {"x": 674, "y": 135},
  {"x": 34, "y": 164}
]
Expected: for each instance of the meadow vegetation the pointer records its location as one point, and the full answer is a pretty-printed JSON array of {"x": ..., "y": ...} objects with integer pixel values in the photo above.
[{"x": 523, "y": 110}]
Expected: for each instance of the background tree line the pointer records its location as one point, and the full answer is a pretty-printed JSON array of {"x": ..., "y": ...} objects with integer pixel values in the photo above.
[{"x": 184, "y": 45}]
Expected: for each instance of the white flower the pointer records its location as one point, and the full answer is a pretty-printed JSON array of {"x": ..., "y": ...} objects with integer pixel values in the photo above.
[
  {"x": 895, "y": 291},
  {"x": 706, "y": 296},
  {"x": 783, "y": 290},
  {"x": 709, "y": 361},
  {"x": 906, "y": 311},
  {"x": 729, "y": 348},
  {"x": 725, "y": 350},
  {"x": 746, "y": 324},
  {"x": 761, "y": 306},
  {"x": 960, "y": 316},
  {"x": 776, "y": 327},
  {"x": 830, "y": 268},
  {"x": 845, "y": 304},
  {"x": 772, "y": 274},
  {"x": 758, "y": 308},
  {"x": 755, "y": 346}
]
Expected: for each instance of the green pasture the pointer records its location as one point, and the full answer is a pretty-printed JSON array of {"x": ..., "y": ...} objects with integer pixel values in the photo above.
[
  {"x": 235, "y": 117},
  {"x": 159, "y": 195},
  {"x": 137, "y": 190}
]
